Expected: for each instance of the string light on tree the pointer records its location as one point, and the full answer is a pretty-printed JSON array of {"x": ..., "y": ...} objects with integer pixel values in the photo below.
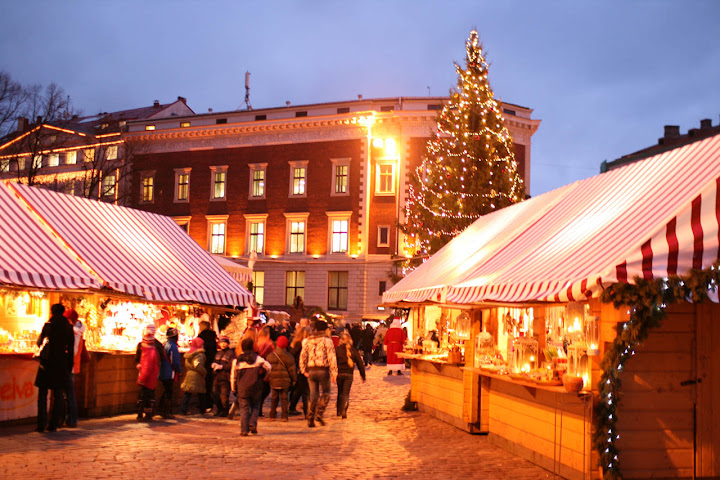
[{"x": 469, "y": 168}]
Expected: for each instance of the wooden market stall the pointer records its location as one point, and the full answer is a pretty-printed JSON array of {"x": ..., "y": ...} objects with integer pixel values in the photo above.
[
  {"x": 560, "y": 326},
  {"x": 118, "y": 268}
]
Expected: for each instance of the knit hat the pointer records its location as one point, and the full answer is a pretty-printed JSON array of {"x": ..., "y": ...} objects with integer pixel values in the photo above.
[
  {"x": 224, "y": 338},
  {"x": 247, "y": 345},
  {"x": 149, "y": 332},
  {"x": 71, "y": 315},
  {"x": 171, "y": 333},
  {"x": 320, "y": 325},
  {"x": 196, "y": 344},
  {"x": 282, "y": 341}
]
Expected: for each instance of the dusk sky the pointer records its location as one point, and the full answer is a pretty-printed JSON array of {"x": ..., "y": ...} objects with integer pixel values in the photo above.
[{"x": 604, "y": 77}]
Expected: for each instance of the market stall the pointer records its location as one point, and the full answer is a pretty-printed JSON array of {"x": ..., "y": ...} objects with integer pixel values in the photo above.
[
  {"x": 119, "y": 269},
  {"x": 583, "y": 354}
]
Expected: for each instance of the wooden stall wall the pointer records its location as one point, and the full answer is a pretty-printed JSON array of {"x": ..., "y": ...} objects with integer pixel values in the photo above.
[
  {"x": 438, "y": 389},
  {"x": 549, "y": 428},
  {"x": 656, "y": 411},
  {"x": 707, "y": 456}
]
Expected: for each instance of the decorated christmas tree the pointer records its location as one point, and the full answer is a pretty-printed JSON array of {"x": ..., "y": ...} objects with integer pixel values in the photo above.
[{"x": 469, "y": 168}]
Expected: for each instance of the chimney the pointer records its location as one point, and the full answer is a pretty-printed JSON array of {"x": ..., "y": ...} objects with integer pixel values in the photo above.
[
  {"x": 672, "y": 131},
  {"x": 22, "y": 124},
  {"x": 287, "y": 103},
  {"x": 209, "y": 110},
  {"x": 359, "y": 96},
  {"x": 156, "y": 103},
  {"x": 705, "y": 123},
  {"x": 38, "y": 120},
  {"x": 183, "y": 99}
]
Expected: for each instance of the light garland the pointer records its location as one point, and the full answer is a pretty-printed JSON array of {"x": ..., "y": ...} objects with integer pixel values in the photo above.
[{"x": 647, "y": 302}]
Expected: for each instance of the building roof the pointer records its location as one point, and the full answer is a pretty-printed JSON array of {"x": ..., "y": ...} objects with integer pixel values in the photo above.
[
  {"x": 129, "y": 251},
  {"x": 653, "y": 219}
]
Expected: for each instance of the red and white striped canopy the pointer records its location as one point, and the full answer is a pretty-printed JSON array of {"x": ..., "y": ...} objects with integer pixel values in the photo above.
[
  {"x": 31, "y": 255},
  {"x": 653, "y": 218},
  {"x": 136, "y": 252}
]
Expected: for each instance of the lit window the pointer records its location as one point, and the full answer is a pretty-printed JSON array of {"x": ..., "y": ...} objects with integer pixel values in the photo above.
[
  {"x": 71, "y": 158},
  {"x": 219, "y": 182},
  {"x": 89, "y": 154},
  {"x": 340, "y": 176},
  {"x": 337, "y": 290},
  {"x": 258, "y": 286},
  {"x": 37, "y": 162},
  {"x": 339, "y": 236},
  {"x": 184, "y": 124},
  {"x": 298, "y": 179},
  {"x": 182, "y": 185},
  {"x": 21, "y": 163},
  {"x": 296, "y": 225},
  {"x": 149, "y": 127},
  {"x": 53, "y": 160},
  {"x": 148, "y": 189},
  {"x": 383, "y": 236},
  {"x": 69, "y": 187},
  {"x": 108, "y": 186},
  {"x": 5, "y": 165},
  {"x": 217, "y": 227},
  {"x": 257, "y": 180},
  {"x": 294, "y": 286},
  {"x": 385, "y": 180},
  {"x": 183, "y": 222},
  {"x": 112, "y": 152},
  {"x": 255, "y": 233}
]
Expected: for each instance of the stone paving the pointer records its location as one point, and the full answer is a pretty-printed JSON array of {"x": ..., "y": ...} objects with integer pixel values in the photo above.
[{"x": 378, "y": 441}]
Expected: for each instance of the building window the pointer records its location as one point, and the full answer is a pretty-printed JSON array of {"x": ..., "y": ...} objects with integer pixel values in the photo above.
[
  {"x": 219, "y": 182},
  {"x": 340, "y": 176},
  {"x": 149, "y": 127},
  {"x": 385, "y": 178},
  {"x": 294, "y": 286},
  {"x": 183, "y": 222},
  {"x": 112, "y": 152},
  {"x": 337, "y": 290},
  {"x": 434, "y": 106},
  {"x": 69, "y": 187},
  {"x": 296, "y": 225},
  {"x": 5, "y": 165},
  {"x": 255, "y": 233},
  {"x": 258, "y": 286},
  {"x": 89, "y": 154},
  {"x": 257, "y": 180},
  {"x": 147, "y": 194},
  {"x": 260, "y": 117},
  {"x": 184, "y": 124},
  {"x": 302, "y": 113},
  {"x": 108, "y": 186},
  {"x": 383, "y": 239},
  {"x": 71, "y": 158},
  {"x": 338, "y": 230},
  {"x": 217, "y": 228},
  {"x": 343, "y": 110},
  {"x": 37, "y": 162},
  {"x": 182, "y": 185},
  {"x": 221, "y": 121},
  {"x": 387, "y": 108},
  {"x": 382, "y": 287},
  {"x": 53, "y": 160},
  {"x": 298, "y": 179}
]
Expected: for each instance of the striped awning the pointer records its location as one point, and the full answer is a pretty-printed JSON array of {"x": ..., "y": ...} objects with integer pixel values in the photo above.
[
  {"x": 239, "y": 272},
  {"x": 31, "y": 255},
  {"x": 136, "y": 252},
  {"x": 654, "y": 218}
]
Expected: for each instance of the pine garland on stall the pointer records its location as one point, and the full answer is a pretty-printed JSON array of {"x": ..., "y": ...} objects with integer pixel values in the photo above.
[{"x": 646, "y": 302}]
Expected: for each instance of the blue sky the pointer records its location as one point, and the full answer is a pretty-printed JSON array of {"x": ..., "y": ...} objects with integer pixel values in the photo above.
[{"x": 604, "y": 77}]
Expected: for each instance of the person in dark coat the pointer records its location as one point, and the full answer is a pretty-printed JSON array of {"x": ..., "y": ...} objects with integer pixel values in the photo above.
[
  {"x": 281, "y": 376},
  {"x": 55, "y": 366},
  {"x": 366, "y": 344},
  {"x": 170, "y": 371},
  {"x": 221, "y": 385},
  {"x": 248, "y": 370},
  {"x": 302, "y": 389},
  {"x": 347, "y": 359},
  {"x": 356, "y": 333},
  {"x": 209, "y": 338}
]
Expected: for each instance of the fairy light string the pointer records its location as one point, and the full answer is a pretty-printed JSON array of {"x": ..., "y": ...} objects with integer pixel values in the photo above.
[
  {"x": 469, "y": 167},
  {"x": 646, "y": 302}
]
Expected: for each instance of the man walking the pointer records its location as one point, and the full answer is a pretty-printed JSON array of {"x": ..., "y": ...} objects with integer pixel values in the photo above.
[{"x": 319, "y": 364}]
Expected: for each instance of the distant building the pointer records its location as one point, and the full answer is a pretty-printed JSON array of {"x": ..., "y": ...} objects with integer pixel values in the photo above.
[
  {"x": 315, "y": 191},
  {"x": 669, "y": 141},
  {"x": 79, "y": 155}
]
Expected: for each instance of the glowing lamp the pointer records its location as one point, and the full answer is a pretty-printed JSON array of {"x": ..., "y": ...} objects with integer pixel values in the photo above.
[{"x": 378, "y": 142}]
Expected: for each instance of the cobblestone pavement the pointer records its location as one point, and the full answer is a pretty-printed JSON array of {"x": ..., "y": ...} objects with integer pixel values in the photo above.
[{"x": 377, "y": 441}]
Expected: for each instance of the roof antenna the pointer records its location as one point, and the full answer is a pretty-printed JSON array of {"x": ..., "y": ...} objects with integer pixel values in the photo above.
[
  {"x": 247, "y": 91},
  {"x": 428, "y": 87}
]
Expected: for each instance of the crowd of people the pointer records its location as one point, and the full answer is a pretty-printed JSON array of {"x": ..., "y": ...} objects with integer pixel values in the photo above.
[{"x": 289, "y": 362}]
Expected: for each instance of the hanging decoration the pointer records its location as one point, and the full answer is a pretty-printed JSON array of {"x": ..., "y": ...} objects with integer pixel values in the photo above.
[{"x": 646, "y": 301}]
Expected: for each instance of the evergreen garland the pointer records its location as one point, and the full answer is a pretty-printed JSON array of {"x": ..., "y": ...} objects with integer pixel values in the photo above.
[{"x": 646, "y": 301}]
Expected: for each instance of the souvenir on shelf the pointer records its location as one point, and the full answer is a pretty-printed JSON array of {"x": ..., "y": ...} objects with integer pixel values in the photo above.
[{"x": 525, "y": 355}]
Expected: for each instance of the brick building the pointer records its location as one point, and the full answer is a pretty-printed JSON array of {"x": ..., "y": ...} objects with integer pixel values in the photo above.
[{"x": 315, "y": 190}]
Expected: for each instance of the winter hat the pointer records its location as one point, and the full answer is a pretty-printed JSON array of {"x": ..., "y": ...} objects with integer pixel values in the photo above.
[
  {"x": 71, "y": 315},
  {"x": 171, "y": 333},
  {"x": 282, "y": 341},
  {"x": 196, "y": 344},
  {"x": 247, "y": 345},
  {"x": 149, "y": 332},
  {"x": 224, "y": 338},
  {"x": 321, "y": 325}
]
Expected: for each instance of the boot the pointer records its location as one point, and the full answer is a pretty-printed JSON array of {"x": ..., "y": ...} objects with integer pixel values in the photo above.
[
  {"x": 322, "y": 404},
  {"x": 310, "y": 415},
  {"x": 231, "y": 412},
  {"x": 149, "y": 411},
  {"x": 140, "y": 411}
]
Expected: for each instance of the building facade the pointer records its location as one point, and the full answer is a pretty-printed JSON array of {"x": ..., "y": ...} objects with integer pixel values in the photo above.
[{"x": 310, "y": 194}]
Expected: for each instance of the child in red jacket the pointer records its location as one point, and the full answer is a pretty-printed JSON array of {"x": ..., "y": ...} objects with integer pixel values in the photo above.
[{"x": 148, "y": 365}]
